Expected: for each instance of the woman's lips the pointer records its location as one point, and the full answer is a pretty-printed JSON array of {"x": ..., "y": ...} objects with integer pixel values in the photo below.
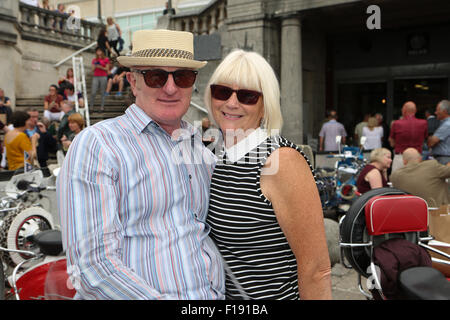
[{"x": 231, "y": 116}]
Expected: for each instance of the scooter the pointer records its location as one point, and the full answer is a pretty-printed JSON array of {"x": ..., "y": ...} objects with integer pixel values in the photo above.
[
  {"x": 337, "y": 187},
  {"x": 44, "y": 275},
  {"x": 384, "y": 237}
]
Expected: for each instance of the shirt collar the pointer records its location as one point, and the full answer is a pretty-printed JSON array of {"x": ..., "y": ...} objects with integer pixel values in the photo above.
[
  {"x": 240, "y": 149},
  {"x": 141, "y": 121}
]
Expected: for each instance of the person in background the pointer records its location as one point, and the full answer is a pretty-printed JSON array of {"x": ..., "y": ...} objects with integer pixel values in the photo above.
[
  {"x": 373, "y": 133},
  {"x": 407, "y": 132},
  {"x": 439, "y": 142},
  {"x": 118, "y": 80},
  {"x": 266, "y": 217},
  {"x": 167, "y": 10},
  {"x": 425, "y": 179},
  {"x": 17, "y": 143},
  {"x": 359, "y": 127},
  {"x": 207, "y": 138},
  {"x": 103, "y": 43},
  {"x": 374, "y": 174},
  {"x": 114, "y": 33},
  {"x": 46, "y": 143},
  {"x": 45, "y": 5},
  {"x": 433, "y": 122},
  {"x": 64, "y": 128},
  {"x": 71, "y": 97},
  {"x": 52, "y": 104},
  {"x": 68, "y": 77},
  {"x": 76, "y": 124},
  {"x": 5, "y": 107},
  {"x": 386, "y": 130},
  {"x": 100, "y": 68},
  {"x": 329, "y": 131}
]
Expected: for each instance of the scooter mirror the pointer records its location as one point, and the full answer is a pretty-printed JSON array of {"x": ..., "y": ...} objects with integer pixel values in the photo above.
[
  {"x": 338, "y": 139},
  {"x": 363, "y": 140}
]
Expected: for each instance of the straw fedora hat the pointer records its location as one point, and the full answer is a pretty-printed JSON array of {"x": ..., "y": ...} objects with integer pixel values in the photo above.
[{"x": 163, "y": 48}]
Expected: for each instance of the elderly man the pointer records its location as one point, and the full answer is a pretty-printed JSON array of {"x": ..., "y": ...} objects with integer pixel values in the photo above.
[
  {"x": 408, "y": 132},
  {"x": 134, "y": 190},
  {"x": 425, "y": 179},
  {"x": 329, "y": 131},
  {"x": 439, "y": 142}
]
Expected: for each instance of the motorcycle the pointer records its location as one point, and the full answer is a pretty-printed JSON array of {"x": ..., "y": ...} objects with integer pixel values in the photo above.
[
  {"x": 30, "y": 245},
  {"x": 337, "y": 187},
  {"x": 22, "y": 215},
  {"x": 384, "y": 237},
  {"x": 44, "y": 275}
]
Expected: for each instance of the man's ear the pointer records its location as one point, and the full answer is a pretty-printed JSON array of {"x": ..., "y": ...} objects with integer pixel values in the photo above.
[{"x": 131, "y": 77}]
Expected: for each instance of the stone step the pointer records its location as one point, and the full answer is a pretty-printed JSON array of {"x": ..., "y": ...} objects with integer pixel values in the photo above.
[{"x": 114, "y": 106}]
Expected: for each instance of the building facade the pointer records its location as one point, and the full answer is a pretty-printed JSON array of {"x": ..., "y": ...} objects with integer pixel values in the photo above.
[
  {"x": 351, "y": 55},
  {"x": 354, "y": 56}
]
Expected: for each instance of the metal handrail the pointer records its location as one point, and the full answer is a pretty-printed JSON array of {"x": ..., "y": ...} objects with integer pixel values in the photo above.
[
  {"x": 199, "y": 107},
  {"x": 75, "y": 54}
]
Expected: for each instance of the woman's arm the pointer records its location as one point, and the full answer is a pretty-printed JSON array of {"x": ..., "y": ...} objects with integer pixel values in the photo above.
[
  {"x": 373, "y": 177},
  {"x": 289, "y": 184}
]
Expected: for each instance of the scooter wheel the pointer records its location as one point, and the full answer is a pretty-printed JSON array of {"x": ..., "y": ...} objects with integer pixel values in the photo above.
[{"x": 16, "y": 229}]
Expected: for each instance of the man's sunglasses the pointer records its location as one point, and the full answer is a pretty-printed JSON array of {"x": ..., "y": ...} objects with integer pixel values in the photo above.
[
  {"x": 244, "y": 96},
  {"x": 157, "y": 78}
]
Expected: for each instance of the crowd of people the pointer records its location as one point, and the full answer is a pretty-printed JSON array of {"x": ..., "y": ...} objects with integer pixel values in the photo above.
[
  {"x": 420, "y": 163},
  {"x": 30, "y": 140}
]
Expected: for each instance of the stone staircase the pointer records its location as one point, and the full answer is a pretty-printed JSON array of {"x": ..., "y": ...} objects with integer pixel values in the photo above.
[{"x": 114, "y": 106}]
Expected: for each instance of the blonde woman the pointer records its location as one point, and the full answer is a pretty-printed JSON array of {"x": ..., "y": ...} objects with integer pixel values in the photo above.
[
  {"x": 265, "y": 213},
  {"x": 114, "y": 33},
  {"x": 374, "y": 174},
  {"x": 373, "y": 134}
]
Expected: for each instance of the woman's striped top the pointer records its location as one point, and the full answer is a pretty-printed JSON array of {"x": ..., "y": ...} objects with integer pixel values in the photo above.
[{"x": 245, "y": 228}]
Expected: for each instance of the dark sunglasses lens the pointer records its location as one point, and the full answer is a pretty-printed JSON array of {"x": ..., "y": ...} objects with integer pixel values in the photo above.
[
  {"x": 184, "y": 78},
  {"x": 156, "y": 78},
  {"x": 248, "y": 96},
  {"x": 221, "y": 92}
]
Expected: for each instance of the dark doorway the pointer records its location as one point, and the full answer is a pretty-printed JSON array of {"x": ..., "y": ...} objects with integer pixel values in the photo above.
[
  {"x": 426, "y": 93},
  {"x": 357, "y": 99}
]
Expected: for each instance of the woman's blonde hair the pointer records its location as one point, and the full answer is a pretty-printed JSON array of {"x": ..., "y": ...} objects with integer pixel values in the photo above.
[
  {"x": 378, "y": 154},
  {"x": 77, "y": 118},
  {"x": 249, "y": 70}
]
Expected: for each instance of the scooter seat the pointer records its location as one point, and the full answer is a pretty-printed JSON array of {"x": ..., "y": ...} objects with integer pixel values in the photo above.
[
  {"x": 424, "y": 283},
  {"x": 49, "y": 242}
]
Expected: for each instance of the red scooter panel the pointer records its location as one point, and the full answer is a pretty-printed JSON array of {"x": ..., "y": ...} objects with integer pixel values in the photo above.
[
  {"x": 34, "y": 284},
  {"x": 396, "y": 214}
]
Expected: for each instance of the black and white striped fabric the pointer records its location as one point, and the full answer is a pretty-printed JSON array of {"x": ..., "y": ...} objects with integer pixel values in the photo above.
[{"x": 245, "y": 229}]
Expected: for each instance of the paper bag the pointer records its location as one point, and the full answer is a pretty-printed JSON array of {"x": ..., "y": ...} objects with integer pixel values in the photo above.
[{"x": 439, "y": 223}]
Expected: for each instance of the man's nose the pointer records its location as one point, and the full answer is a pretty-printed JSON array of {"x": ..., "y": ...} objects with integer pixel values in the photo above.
[{"x": 170, "y": 86}]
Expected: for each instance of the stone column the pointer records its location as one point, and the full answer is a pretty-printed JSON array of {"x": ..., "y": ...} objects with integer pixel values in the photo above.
[
  {"x": 10, "y": 53},
  {"x": 291, "y": 79}
]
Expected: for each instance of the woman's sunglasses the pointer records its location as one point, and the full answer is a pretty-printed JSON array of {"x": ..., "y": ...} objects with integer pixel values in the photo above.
[
  {"x": 244, "y": 96},
  {"x": 157, "y": 78}
]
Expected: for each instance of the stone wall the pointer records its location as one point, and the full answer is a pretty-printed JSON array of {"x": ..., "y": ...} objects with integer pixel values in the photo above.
[{"x": 32, "y": 41}]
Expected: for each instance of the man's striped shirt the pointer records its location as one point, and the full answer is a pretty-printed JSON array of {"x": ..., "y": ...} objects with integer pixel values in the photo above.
[{"x": 133, "y": 202}]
